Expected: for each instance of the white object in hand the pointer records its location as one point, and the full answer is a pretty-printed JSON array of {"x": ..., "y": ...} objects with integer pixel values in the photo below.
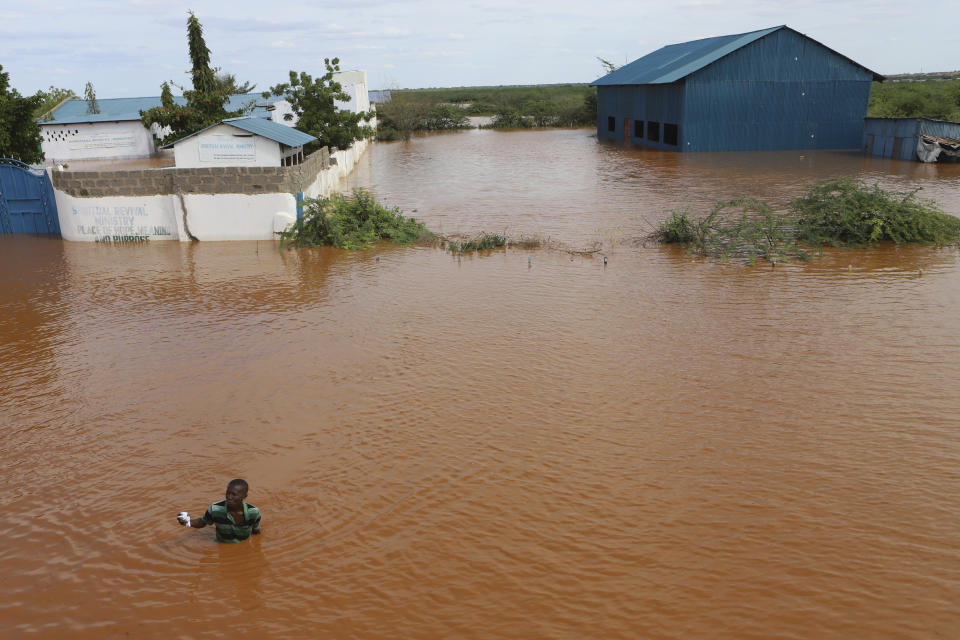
[{"x": 184, "y": 518}]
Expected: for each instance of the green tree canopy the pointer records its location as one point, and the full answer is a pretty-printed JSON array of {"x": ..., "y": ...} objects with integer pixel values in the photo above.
[
  {"x": 52, "y": 98},
  {"x": 230, "y": 85},
  {"x": 312, "y": 101},
  {"x": 205, "y": 103},
  {"x": 19, "y": 130}
]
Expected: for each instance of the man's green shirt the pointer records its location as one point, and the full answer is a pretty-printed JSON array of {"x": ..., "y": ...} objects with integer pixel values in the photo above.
[{"x": 229, "y": 530}]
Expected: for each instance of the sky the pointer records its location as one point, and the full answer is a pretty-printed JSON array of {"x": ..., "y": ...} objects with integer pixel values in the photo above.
[{"x": 127, "y": 49}]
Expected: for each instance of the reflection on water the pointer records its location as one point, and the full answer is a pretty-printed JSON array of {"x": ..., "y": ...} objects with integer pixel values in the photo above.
[{"x": 518, "y": 444}]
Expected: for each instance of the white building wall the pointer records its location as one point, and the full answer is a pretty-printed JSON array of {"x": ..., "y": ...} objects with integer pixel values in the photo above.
[
  {"x": 88, "y": 140},
  {"x": 226, "y": 146},
  {"x": 354, "y": 84}
]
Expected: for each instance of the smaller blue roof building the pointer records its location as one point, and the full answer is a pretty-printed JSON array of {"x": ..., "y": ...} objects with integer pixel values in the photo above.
[
  {"x": 769, "y": 89},
  {"x": 258, "y": 126},
  {"x": 241, "y": 142}
]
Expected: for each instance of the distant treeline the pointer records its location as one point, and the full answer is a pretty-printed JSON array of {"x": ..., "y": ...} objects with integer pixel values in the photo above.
[
  {"x": 561, "y": 105},
  {"x": 936, "y": 99}
]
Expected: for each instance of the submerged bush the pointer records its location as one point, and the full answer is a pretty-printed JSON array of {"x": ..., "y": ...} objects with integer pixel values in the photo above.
[
  {"x": 354, "y": 222},
  {"x": 838, "y": 212},
  {"x": 843, "y": 211},
  {"x": 677, "y": 228},
  {"x": 482, "y": 242}
]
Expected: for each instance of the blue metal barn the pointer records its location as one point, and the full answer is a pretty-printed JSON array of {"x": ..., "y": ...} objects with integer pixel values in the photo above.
[{"x": 764, "y": 90}]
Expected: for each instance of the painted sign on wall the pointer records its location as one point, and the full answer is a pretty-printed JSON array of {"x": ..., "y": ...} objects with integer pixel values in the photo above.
[
  {"x": 102, "y": 140},
  {"x": 118, "y": 223},
  {"x": 221, "y": 149}
]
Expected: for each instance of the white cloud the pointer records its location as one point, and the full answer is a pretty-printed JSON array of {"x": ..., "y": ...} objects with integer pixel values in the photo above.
[{"x": 283, "y": 44}]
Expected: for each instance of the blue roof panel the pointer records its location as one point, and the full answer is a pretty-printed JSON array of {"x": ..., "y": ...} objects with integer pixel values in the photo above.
[
  {"x": 121, "y": 109},
  {"x": 259, "y": 126},
  {"x": 676, "y": 61},
  {"x": 273, "y": 130},
  {"x": 673, "y": 62}
]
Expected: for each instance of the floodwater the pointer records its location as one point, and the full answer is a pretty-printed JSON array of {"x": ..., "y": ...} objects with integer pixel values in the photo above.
[{"x": 519, "y": 444}]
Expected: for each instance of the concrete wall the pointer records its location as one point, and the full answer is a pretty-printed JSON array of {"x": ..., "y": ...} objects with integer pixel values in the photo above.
[
  {"x": 210, "y": 180},
  {"x": 81, "y": 141},
  {"x": 214, "y": 203},
  {"x": 226, "y": 146},
  {"x": 173, "y": 217}
]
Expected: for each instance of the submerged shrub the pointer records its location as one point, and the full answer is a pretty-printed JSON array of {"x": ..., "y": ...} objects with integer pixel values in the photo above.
[
  {"x": 843, "y": 211},
  {"x": 677, "y": 228},
  {"x": 482, "y": 242},
  {"x": 839, "y": 212},
  {"x": 352, "y": 222}
]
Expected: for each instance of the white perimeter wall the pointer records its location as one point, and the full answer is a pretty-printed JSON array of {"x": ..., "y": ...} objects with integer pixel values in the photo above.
[
  {"x": 208, "y": 217},
  {"x": 228, "y": 216},
  {"x": 86, "y": 140},
  {"x": 226, "y": 146}
]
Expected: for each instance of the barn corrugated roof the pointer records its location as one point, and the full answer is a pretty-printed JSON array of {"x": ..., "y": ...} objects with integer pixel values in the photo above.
[
  {"x": 675, "y": 61},
  {"x": 259, "y": 126},
  {"x": 122, "y": 109}
]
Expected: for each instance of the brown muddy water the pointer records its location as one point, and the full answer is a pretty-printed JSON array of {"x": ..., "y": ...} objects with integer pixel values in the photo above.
[{"x": 520, "y": 444}]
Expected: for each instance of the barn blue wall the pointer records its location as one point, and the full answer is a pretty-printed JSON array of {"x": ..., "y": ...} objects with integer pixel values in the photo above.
[
  {"x": 662, "y": 103},
  {"x": 783, "y": 91}
]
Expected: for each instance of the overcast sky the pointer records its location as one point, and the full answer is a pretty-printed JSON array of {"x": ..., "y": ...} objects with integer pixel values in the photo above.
[{"x": 128, "y": 48}]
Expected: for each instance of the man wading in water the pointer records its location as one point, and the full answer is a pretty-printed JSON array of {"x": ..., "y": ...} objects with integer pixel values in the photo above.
[{"x": 235, "y": 519}]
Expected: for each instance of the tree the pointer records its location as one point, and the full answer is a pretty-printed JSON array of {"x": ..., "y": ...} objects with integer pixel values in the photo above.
[
  {"x": 51, "y": 98},
  {"x": 608, "y": 67},
  {"x": 205, "y": 103},
  {"x": 230, "y": 85},
  {"x": 19, "y": 130},
  {"x": 91, "y": 97},
  {"x": 313, "y": 104}
]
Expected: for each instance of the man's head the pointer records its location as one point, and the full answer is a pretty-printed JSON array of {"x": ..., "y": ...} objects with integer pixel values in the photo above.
[{"x": 236, "y": 492}]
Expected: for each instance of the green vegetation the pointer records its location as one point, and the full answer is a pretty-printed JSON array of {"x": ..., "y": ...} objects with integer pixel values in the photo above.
[
  {"x": 936, "y": 99},
  {"x": 91, "y": 97},
  {"x": 407, "y": 112},
  {"x": 359, "y": 222},
  {"x": 51, "y": 98},
  {"x": 355, "y": 222},
  {"x": 746, "y": 228},
  {"x": 566, "y": 105},
  {"x": 205, "y": 103},
  {"x": 482, "y": 242},
  {"x": 838, "y": 212},
  {"x": 843, "y": 212},
  {"x": 19, "y": 131},
  {"x": 313, "y": 103}
]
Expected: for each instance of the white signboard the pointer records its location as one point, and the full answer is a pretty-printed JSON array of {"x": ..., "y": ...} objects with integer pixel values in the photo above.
[
  {"x": 231, "y": 149},
  {"x": 102, "y": 140}
]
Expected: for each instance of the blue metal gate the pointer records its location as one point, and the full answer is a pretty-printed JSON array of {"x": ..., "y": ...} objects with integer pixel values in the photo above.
[{"x": 27, "y": 204}]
